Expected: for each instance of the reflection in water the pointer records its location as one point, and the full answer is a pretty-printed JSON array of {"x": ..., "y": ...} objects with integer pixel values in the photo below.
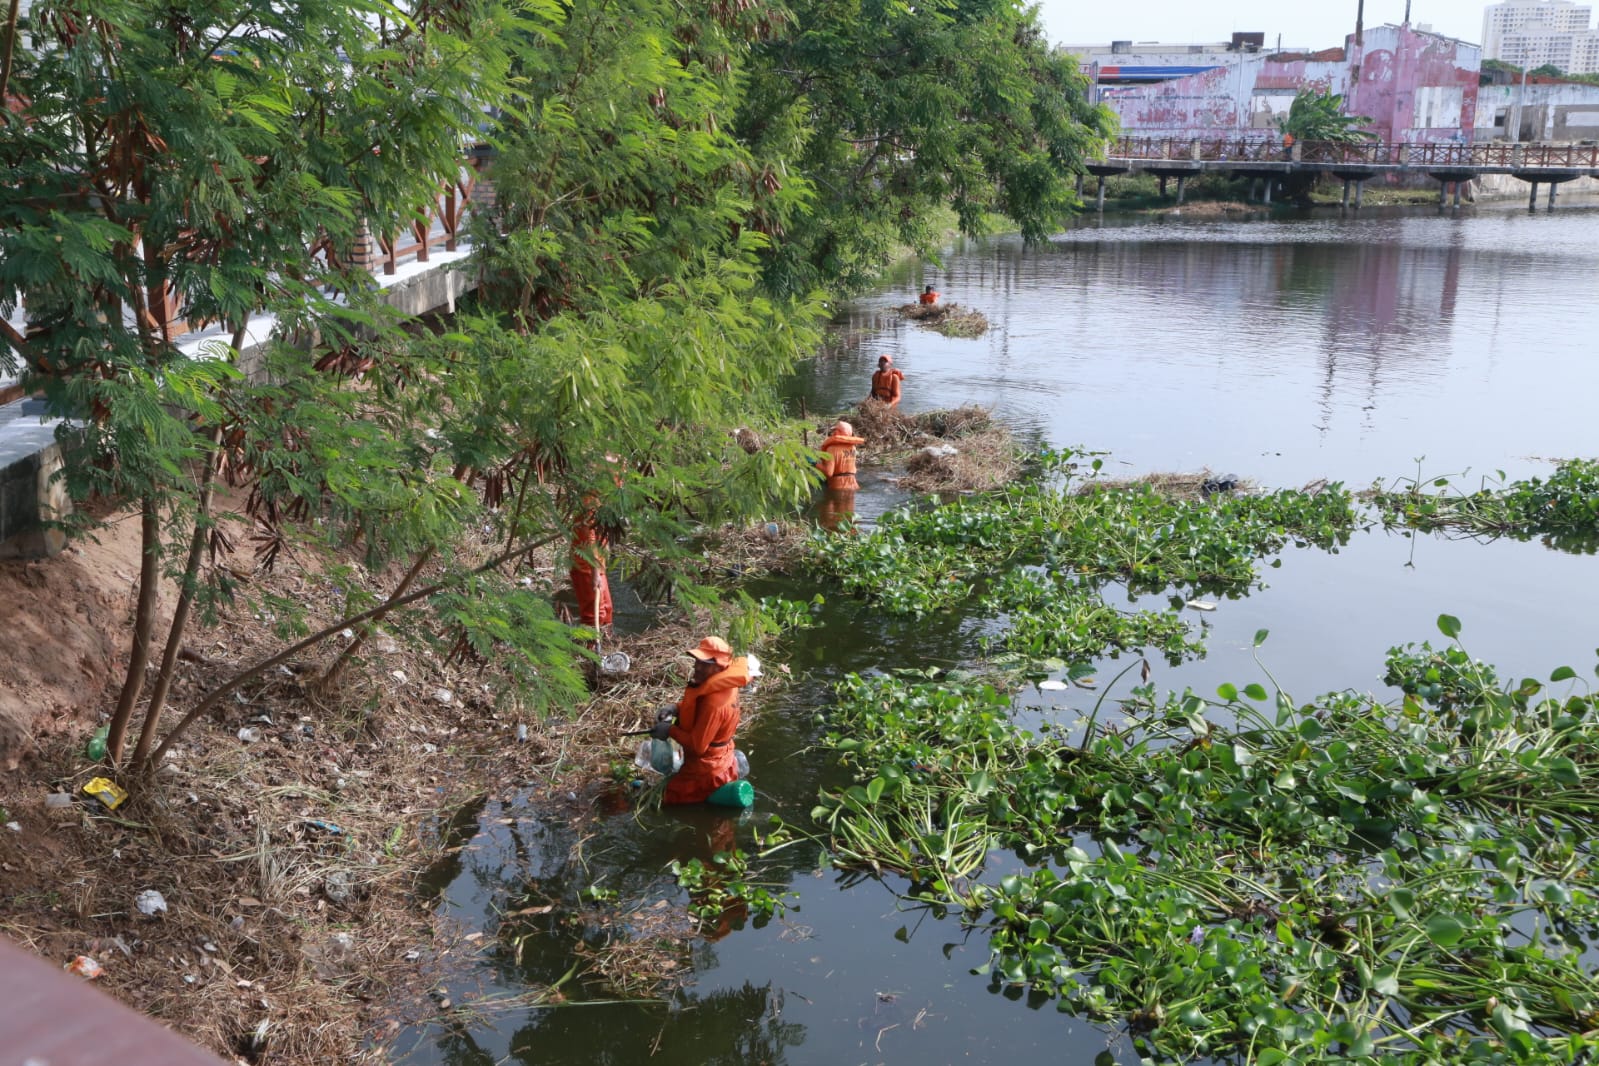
[
  {"x": 837, "y": 509},
  {"x": 1283, "y": 350}
]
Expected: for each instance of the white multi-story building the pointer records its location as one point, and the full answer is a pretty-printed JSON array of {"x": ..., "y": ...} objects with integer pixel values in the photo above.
[{"x": 1531, "y": 33}]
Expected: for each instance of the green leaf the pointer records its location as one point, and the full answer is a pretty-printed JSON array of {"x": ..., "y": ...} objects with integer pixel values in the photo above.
[
  {"x": 1449, "y": 626},
  {"x": 1260, "y": 636},
  {"x": 1227, "y": 691},
  {"x": 1563, "y": 673},
  {"x": 1385, "y": 982},
  {"x": 1445, "y": 930},
  {"x": 1255, "y": 691}
]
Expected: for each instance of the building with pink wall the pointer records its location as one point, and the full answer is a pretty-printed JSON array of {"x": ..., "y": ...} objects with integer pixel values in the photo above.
[{"x": 1417, "y": 87}]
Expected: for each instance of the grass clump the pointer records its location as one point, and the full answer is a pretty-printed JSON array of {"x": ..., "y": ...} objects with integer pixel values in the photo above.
[{"x": 1249, "y": 878}]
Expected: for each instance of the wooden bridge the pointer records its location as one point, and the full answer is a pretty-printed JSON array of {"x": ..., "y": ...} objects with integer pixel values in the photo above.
[{"x": 1269, "y": 160}]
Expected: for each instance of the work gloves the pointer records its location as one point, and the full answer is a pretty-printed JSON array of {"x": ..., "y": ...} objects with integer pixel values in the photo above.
[{"x": 665, "y": 714}]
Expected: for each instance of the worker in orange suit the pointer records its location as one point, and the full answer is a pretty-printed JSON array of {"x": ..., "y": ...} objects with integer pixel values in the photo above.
[
  {"x": 838, "y": 457},
  {"x": 885, "y": 383},
  {"x": 589, "y": 542},
  {"x": 928, "y": 296},
  {"x": 838, "y": 467},
  {"x": 704, "y": 722},
  {"x": 589, "y": 583}
]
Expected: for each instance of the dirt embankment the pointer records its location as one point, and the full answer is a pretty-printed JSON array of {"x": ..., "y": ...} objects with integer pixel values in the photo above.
[
  {"x": 290, "y": 833},
  {"x": 64, "y": 623}
]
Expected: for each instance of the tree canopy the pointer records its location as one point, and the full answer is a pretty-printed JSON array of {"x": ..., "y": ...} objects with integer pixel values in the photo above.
[{"x": 679, "y": 189}]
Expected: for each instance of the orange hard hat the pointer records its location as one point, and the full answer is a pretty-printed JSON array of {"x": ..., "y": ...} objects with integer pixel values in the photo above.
[{"x": 712, "y": 649}]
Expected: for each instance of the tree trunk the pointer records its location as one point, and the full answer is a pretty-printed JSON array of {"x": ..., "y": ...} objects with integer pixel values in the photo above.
[
  {"x": 180, "y": 615},
  {"x": 143, "y": 623}
]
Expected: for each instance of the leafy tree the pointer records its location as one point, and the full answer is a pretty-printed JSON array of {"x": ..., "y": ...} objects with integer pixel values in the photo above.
[
  {"x": 678, "y": 188},
  {"x": 623, "y": 314},
  {"x": 1317, "y": 116},
  {"x": 1548, "y": 70},
  {"x": 218, "y": 158},
  {"x": 894, "y": 111}
]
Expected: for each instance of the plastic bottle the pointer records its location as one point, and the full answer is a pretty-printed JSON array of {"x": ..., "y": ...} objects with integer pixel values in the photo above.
[
  {"x": 741, "y": 763},
  {"x": 95, "y": 749}
]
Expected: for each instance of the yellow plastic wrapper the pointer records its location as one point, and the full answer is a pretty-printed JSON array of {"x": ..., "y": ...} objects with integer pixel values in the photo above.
[{"x": 106, "y": 791}]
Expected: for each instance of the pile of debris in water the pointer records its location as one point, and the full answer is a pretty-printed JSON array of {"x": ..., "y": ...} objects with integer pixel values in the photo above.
[
  {"x": 952, "y": 320},
  {"x": 961, "y": 449}
]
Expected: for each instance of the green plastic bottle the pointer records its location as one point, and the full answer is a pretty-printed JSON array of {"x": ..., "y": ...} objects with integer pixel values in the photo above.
[
  {"x": 95, "y": 749},
  {"x": 739, "y": 794}
]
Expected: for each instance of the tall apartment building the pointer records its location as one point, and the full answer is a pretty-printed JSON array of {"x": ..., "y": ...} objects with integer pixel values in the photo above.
[{"x": 1530, "y": 33}]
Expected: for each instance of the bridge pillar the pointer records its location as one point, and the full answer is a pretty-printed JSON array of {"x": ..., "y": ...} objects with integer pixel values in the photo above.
[
  {"x": 1443, "y": 195},
  {"x": 1162, "y": 179},
  {"x": 1532, "y": 201},
  {"x": 1266, "y": 198},
  {"x": 1457, "y": 196},
  {"x": 1099, "y": 198},
  {"x": 1182, "y": 179},
  {"x": 1345, "y": 201},
  {"x": 1554, "y": 187},
  {"x": 1360, "y": 193},
  {"x": 1080, "y": 178}
]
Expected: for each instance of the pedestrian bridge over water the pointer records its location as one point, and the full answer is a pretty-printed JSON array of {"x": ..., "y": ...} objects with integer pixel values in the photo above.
[{"x": 1268, "y": 160}]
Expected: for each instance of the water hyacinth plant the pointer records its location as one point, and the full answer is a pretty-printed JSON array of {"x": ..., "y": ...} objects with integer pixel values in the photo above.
[
  {"x": 1040, "y": 554},
  {"x": 1563, "y": 508},
  {"x": 1249, "y": 878}
]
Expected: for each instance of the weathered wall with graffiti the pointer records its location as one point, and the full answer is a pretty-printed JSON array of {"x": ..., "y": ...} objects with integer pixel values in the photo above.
[{"x": 1415, "y": 87}]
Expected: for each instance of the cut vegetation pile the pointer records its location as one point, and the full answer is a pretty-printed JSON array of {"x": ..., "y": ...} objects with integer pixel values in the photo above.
[
  {"x": 961, "y": 449},
  {"x": 952, "y": 320}
]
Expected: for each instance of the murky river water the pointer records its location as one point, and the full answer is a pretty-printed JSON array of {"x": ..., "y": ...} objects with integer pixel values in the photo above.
[{"x": 1283, "y": 351}]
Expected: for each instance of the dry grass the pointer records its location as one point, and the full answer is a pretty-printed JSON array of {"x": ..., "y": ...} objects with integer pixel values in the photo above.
[
  {"x": 985, "y": 453},
  {"x": 983, "y": 460},
  {"x": 952, "y": 320},
  {"x": 1186, "y": 486},
  {"x": 750, "y": 551}
]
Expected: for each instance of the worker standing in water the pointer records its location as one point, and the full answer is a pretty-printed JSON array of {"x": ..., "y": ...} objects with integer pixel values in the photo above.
[
  {"x": 838, "y": 467},
  {"x": 704, "y": 722},
  {"x": 838, "y": 456},
  {"x": 885, "y": 383},
  {"x": 589, "y": 543},
  {"x": 928, "y": 296}
]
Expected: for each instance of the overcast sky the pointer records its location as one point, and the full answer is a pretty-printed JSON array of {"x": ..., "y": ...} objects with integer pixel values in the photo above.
[{"x": 1315, "y": 25}]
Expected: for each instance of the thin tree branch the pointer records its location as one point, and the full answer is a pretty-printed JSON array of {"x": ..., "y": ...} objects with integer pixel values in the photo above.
[{"x": 216, "y": 695}]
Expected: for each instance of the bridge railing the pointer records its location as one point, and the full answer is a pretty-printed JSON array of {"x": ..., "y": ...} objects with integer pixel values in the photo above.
[{"x": 1360, "y": 153}]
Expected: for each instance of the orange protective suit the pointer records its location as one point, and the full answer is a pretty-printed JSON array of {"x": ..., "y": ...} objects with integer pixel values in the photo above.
[
  {"x": 885, "y": 386},
  {"x": 838, "y": 460},
  {"x": 928, "y": 297},
  {"x": 707, "y": 717},
  {"x": 589, "y": 584}
]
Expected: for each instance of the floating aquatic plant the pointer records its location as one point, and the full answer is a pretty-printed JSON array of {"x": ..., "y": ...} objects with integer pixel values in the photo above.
[{"x": 1247, "y": 877}]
